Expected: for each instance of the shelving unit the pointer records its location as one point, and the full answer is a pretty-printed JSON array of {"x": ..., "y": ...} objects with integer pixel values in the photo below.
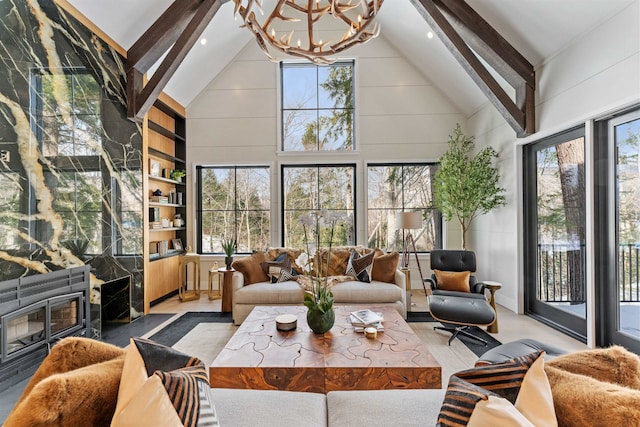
[{"x": 165, "y": 145}]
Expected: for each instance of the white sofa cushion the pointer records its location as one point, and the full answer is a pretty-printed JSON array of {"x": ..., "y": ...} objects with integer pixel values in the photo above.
[
  {"x": 265, "y": 293},
  {"x": 395, "y": 408},
  {"x": 255, "y": 408},
  {"x": 363, "y": 293}
]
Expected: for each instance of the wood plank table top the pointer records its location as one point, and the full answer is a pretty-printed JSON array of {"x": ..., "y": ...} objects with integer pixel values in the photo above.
[{"x": 258, "y": 356}]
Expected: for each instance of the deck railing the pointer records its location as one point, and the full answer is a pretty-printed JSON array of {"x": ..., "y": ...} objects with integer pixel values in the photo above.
[{"x": 561, "y": 273}]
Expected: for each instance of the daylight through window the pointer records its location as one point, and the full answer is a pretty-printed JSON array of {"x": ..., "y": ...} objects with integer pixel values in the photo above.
[
  {"x": 318, "y": 187},
  {"x": 396, "y": 188},
  {"x": 317, "y": 107},
  {"x": 234, "y": 203}
]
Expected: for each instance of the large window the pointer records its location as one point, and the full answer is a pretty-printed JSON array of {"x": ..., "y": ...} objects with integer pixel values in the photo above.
[
  {"x": 318, "y": 187},
  {"x": 235, "y": 203},
  {"x": 78, "y": 201},
  {"x": 68, "y": 110},
  {"x": 317, "y": 107},
  {"x": 394, "y": 188},
  {"x": 67, "y": 121}
]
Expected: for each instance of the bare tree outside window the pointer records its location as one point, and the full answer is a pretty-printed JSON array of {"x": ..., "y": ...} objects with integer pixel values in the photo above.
[
  {"x": 396, "y": 188},
  {"x": 235, "y": 203},
  {"x": 312, "y": 188}
]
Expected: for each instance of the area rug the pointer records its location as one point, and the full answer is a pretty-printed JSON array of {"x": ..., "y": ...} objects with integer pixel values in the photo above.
[
  {"x": 176, "y": 330},
  {"x": 475, "y": 346},
  {"x": 119, "y": 333}
]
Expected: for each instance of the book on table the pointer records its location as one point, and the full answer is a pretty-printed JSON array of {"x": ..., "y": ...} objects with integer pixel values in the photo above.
[{"x": 361, "y": 319}]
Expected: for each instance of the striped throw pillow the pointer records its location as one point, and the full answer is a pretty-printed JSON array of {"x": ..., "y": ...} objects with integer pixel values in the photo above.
[
  {"x": 163, "y": 386},
  {"x": 481, "y": 387}
]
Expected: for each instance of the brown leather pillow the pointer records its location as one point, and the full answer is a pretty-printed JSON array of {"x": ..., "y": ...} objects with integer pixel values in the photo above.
[
  {"x": 384, "y": 267},
  {"x": 251, "y": 269},
  {"x": 453, "y": 280}
]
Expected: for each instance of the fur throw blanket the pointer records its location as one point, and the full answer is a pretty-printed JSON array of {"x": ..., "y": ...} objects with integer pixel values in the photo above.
[
  {"x": 598, "y": 387},
  {"x": 76, "y": 385}
]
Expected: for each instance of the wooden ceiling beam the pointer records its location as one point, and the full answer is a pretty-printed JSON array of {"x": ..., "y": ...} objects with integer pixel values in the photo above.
[
  {"x": 161, "y": 35},
  {"x": 493, "y": 49},
  {"x": 181, "y": 25},
  {"x": 485, "y": 40}
]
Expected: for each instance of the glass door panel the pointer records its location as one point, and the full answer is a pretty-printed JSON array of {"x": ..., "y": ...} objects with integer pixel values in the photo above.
[
  {"x": 625, "y": 132},
  {"x": 555, "y": 227}
]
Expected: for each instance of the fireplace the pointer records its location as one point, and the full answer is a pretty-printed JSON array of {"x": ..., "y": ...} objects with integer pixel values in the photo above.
[{"x": 35, "y": 312}]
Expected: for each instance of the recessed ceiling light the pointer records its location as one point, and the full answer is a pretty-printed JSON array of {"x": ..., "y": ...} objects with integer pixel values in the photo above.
[
  {"x": 203, "y": 41},
  {"x": 429, "y": 35}
]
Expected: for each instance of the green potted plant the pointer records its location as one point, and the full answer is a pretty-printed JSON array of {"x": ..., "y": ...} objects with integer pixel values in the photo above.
[
  {"x": 177, "y": 174},
  {"x": 466, "y": 185},
  {"x": 319, "y": 299},
  {"x": 228, "y": 247}
]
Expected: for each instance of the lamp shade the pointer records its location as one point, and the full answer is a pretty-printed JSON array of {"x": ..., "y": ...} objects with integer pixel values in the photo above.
[{"x": 409, "y": 220}]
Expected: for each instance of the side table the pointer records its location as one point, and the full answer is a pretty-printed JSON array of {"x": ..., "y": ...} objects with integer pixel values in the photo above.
[
  {"x": 183, "y": 292},
  {"x": 227, "y": 275},
  {"x": 493, "y": 287},
  {"x": 213, "y": 275}
]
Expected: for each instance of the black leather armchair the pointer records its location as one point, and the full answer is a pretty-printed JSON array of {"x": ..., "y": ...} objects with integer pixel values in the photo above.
[
  {"x": 455, "y": 260},
  {"x": 457, "y": 311}
]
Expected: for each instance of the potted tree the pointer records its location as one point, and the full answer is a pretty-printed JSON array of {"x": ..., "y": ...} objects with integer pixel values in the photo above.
[
  {"x": 466, "y": 185},
  {"x": 228, "y": 247}
]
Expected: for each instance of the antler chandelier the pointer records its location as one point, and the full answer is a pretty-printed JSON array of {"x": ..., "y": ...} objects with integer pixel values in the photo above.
[{"x": 271, "y": 30}]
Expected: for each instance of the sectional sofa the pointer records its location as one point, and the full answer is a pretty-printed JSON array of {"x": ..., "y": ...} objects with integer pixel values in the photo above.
[{"x": 84, "y": 382}]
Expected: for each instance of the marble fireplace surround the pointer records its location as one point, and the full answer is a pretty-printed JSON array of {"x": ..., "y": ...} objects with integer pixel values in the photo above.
[{"x": 39, "y": 130}]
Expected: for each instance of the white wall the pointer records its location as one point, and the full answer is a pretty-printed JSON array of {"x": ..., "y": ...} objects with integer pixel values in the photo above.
[
  {"x": 597, "y": 74},
  {"x": 401, "y": 116}
]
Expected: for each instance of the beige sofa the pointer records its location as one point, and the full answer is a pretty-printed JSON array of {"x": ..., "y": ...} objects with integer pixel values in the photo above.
[{"x": 250, "y": 290}]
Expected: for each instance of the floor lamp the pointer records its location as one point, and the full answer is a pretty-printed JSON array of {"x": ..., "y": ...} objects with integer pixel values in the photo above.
[{"x": 410, "y": 221}]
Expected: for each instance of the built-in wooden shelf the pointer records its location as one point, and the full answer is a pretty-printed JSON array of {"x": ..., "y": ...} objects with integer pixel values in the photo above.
[
  {"x": 169, "y": 255},
  {"x": 167, "y": 180},
  {"x": 167, "y": 229}
]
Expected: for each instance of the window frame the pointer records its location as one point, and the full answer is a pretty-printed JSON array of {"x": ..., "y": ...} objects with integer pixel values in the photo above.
[
  {"x": 199, "y": 199},
  {"x": 281, "y": 189},
  {"x": 280, "y": 109},
  {"x": 403, "y": 208}
]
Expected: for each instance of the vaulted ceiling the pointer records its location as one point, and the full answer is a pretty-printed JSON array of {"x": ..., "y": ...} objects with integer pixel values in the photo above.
[{"x": 538, "y": 29}]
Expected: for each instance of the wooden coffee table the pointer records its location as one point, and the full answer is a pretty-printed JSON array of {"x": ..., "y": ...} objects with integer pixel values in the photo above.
[{"x": 258, "y": 356}]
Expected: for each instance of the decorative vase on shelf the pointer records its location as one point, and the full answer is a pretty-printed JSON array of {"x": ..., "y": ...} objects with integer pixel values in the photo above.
[
  {"x": 227, "y": 262},
  {"x": 319, "y": 321}
]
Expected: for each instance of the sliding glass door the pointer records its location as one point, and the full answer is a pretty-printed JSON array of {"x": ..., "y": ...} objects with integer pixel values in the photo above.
[
  {"x": 555, "y": 287},
  {"x": 621, "y": 277}
]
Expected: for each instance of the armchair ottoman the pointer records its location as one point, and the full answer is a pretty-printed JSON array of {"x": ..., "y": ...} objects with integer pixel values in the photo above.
[{"x": 461, "y": 313}]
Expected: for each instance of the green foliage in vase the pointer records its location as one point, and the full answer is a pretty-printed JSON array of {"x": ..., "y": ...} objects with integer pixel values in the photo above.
[
  {"x": 177, "y": 174},
  {"x": 466, "y": 185},
  {"x": 228, "y": 246},
  {"x": 315, "y": 224}
]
